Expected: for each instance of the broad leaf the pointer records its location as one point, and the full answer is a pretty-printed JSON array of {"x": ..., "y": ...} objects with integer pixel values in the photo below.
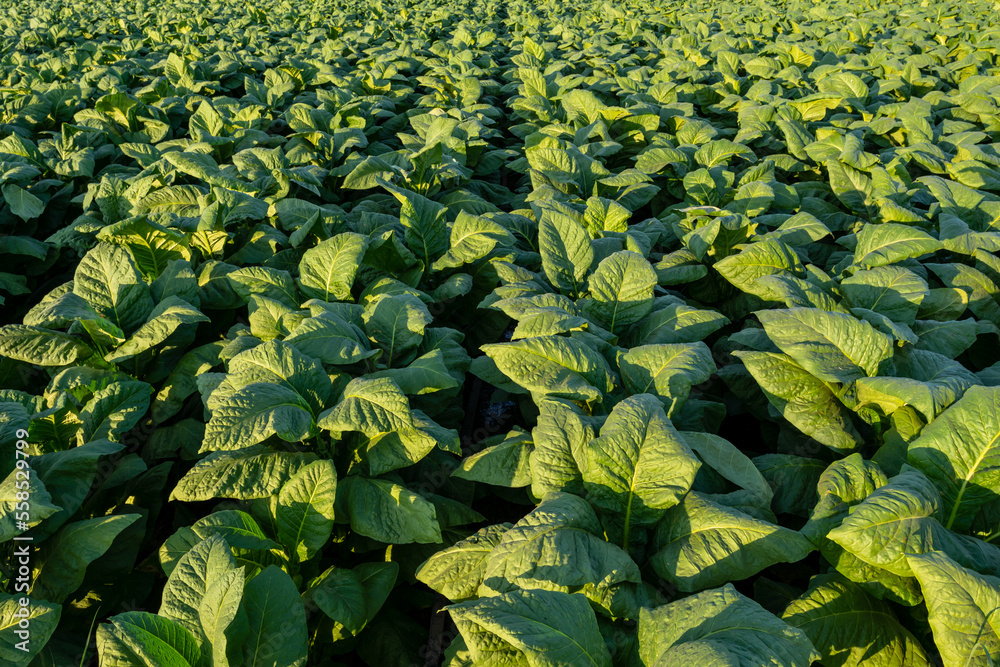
[
  {"x": 327, "y": 271},
  {"x": 851, "y": 628},
  {"x": 554, "y": 366},
  {"x": 543, "y": 628},
  {"x": 387, "y": 512},
  {"x": 108, "y": 279},
  {"x": 810, "y": 404},
  {"x": 42, "y": 618},
  {"x": 669, "y": 371},
  {"x": 253, "y": 414},
  {"x": 889, "y": 243},
  {"x": 458, "y": 571},
  {"x": 960, "y": 452},
  {"x": 277, "y": 620},
  {"x": 639, "y": 466},
  {"x": 140, "y": 638},
  {"x": 61, "y": 564},
  {"x": 621, "y": 290},
  {"x": 700, "y": 544},
  {"x": 251, "y": 472},
  {"x": 720, "y": 627},
  {"x": 961, "y": 609},
  {"x": 832, "y": 346},
  {"x": 304, "y": 514}
]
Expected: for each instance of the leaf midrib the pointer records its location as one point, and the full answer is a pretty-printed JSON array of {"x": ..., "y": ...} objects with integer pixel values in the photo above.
[{"x": 968, "y": 477}]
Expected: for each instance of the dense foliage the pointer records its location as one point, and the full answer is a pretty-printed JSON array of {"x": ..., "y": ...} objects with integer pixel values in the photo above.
[{"x": 472, "y": 332}]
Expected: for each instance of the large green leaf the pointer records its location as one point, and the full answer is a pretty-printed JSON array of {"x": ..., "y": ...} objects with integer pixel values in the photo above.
[
  {"x": 800, "y": 229},
  {"x": 554, "y": 366},
  {"x": 961, "y": 609},
  {"x": 841, "y": 487},
  {"x": 890, "y": 290},
  {"x": 237, "y": 528},
  {"x": 621, "y": 290},
  {"x": 166, "y": 318},
  {"x": 110, "y": 282},
  {"x": 852, "y": 629},
  {"x": 426, "y": 374},
  {"x": 727, "y": 460},
  {"x": 889, "y": 243},
  {"x": 424, "y": 222},
  {"x": 254, "y": 413},
  {"x": 35, "y": 345},
  {"x": 280, "y": 363},
  {"x": 396, "y": 324},
  {"x": 41, "y": 503},
  {"x": 566, "y": 249},
  {"x": 639, "y": 466},
  {"x": 371, "y": 406},
  {"x": 277, "y": 619},
  {"x": 115, "y": 409},
  {"x": 943, "y": 304},
  {"x": 960, "y": 452},
  {"x": 757, "y": 260},
  {"x": 17, "y": 647},
  {"x": 676, "y": 323},
  {"x": 458, "y": 571},
  {"x": 930, "y": 383},
  {"x": 541, "y": 628},
  {"x": 506, "y": 463},
  {"x": 720, "y": 627},
  {"x": 152, "y": 245},
  {"x": 834, "y": 347},
  {"x": 203, "y": 594},
  {"x": 700, "y": 544},
  {"x": 387, "y": 512},
  {"x": 331, "y": 340},
  {"x": 352, "y": 598},
  {"x": 247, "y": 473},
  {"x": 265, "y": 281},
  {"x": 60, "y": 566},
  {"x": 669, "y": 371},
  {"x": 903, "y": 518},
  {"x": 810, "y": 404},
  {"x": 981, "y": 291},
  {"x": 547, "y": 321},
  {"x": 721, "y": 151},
  {"x": 562, "y": 432},
  {"x": 60, "y": 308},
  {"x": 304, "y": 514},
  {"x": 472, "y": 238},
  {"x": 140, "y": 638},
  {"x": 22, "y": 203},
  {"x": 567, "y": 169},
  {"x": 562, "y": 529},
  {"x": 327, "y": 271},
  {"x": 400, "y": 448},
  {"x": 948, "y": 338}
]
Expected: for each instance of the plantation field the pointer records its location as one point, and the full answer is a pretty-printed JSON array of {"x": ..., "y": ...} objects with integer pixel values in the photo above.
[{"x": 468, "y": 332}]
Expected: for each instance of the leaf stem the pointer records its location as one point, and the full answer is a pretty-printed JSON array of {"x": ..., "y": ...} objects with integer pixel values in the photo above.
[
  {"x": 628, "y": 523},
  {"x": 86, "y": 647},
  {"x": 670, "y": 415}
]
